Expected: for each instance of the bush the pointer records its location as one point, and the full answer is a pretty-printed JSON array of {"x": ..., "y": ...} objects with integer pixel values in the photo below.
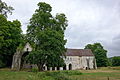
[
  {"x": 35, "y": 70},
  {"x": 116, "y": 61}
]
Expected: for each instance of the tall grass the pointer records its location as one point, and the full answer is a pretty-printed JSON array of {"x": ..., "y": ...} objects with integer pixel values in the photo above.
[
  {"x": 54, "y": 75},
  {"x": 113, "y": 73}
]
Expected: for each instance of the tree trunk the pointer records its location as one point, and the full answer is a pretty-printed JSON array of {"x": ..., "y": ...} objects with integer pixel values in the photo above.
[{"x": 40, "y": 67}]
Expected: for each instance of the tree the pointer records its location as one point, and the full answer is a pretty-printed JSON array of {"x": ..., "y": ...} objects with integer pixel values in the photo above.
[
  {"x": 110, "y": 61},
  {"x": 47, "y": 33},
  {"x": 5, "y": 9},
  {"x": 10, "y": 38},
  {"x": 116, "y": 61},
  {"x": 100, "y": 54}
]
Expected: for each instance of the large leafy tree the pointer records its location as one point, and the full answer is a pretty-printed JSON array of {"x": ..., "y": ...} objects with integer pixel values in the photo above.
[
  {"x": 10, "y": 37},
  {"x": 100, "y": 54},
  {"x": 115, "y": 61},
  {"x": 5, "y": 9},
  {"x": 47, "y": 33}
]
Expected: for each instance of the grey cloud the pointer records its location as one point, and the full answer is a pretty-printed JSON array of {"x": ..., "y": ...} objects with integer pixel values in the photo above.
[
  {"x": 90, "y": 21},
  {"x": 114, "y": 46}
]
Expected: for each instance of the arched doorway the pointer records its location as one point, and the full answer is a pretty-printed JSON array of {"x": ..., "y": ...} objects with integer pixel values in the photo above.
[
  {"x": 23, "y": 61},
  {"x": 70, "y": 66}
]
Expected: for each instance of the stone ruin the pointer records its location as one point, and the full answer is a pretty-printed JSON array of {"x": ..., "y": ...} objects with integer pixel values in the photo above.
[
  {"x": 75, "y": 59},
  {"x": 18, "y": 57}
]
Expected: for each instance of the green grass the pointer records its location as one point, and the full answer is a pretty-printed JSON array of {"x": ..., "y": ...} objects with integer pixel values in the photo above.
[
  {"x": 9, "y": 75},
  {"x": 100, "y": 74},
  {"x": 48, "y": 75}
]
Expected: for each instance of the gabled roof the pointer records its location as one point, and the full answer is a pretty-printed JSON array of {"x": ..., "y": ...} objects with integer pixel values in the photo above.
[{"x": 79, "y": 52}]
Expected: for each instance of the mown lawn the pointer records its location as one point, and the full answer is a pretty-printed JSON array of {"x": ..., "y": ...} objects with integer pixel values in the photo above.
[{"x": 99, "y": 74}]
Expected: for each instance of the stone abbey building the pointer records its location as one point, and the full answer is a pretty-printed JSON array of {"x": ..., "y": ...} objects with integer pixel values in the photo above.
[{"x": 75, "y": 59}]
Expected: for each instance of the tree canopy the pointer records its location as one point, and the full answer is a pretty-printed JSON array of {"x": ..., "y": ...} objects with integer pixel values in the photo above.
[
  {"x": 115, "y": 61},
  {"x": 100, "y": 54},
  {"x": 5, "y": 9},
  {"x": 47, "y": 33},
  {"x": 10, "y": 37}
]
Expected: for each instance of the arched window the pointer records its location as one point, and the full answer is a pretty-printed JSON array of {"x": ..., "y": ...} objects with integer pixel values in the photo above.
[{"x": 27, "y": 49}]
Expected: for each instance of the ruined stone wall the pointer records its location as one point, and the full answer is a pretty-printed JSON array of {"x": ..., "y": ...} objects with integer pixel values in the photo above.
[{"x": 16, "y": 63}]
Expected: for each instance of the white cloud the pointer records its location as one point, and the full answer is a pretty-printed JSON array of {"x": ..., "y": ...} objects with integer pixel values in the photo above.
[{"x": 90, "y": 21}]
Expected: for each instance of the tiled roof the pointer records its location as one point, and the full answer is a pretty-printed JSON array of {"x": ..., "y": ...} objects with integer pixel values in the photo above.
[{"x": 79, "y": 52}]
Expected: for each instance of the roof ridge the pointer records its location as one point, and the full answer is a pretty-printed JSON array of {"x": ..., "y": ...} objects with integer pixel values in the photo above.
[{"x": 79, "y": 52}]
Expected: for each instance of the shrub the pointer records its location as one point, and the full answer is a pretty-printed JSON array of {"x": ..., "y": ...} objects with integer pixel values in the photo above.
[{"x": 35, "y": 70}]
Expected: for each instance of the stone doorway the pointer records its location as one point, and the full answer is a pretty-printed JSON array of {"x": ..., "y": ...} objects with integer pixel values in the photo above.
[
  {"x": 70, "y": 66},
  {"x": 24, "y": 64}
]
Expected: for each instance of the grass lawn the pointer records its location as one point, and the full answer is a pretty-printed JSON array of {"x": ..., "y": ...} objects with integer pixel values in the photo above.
[{"x": 112, "y": 73}]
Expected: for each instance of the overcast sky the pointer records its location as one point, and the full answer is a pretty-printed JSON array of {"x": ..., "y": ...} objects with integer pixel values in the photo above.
[{"x": 89, "y": 21}]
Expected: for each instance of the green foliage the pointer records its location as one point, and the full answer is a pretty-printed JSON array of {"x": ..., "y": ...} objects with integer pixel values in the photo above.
[
  {"x": 59, "y": 75},
  {"x": 10, "y": 38},
  {"x": 54, "y": 75},
  {"x": 100, "y": 54},
  {"x": 47, "y": 33},
  {"x": 116, "y": 61},
  {"x": 109, "y": 62},
  {"x": 35, "y": 70},
  {"x": 22, "y": 43},
  {"x": 101, "y": 58},
  {"x": 36, "y": 57},
  {"x": 1, "y": 63},
  {"x": 5, "y": 9}
]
